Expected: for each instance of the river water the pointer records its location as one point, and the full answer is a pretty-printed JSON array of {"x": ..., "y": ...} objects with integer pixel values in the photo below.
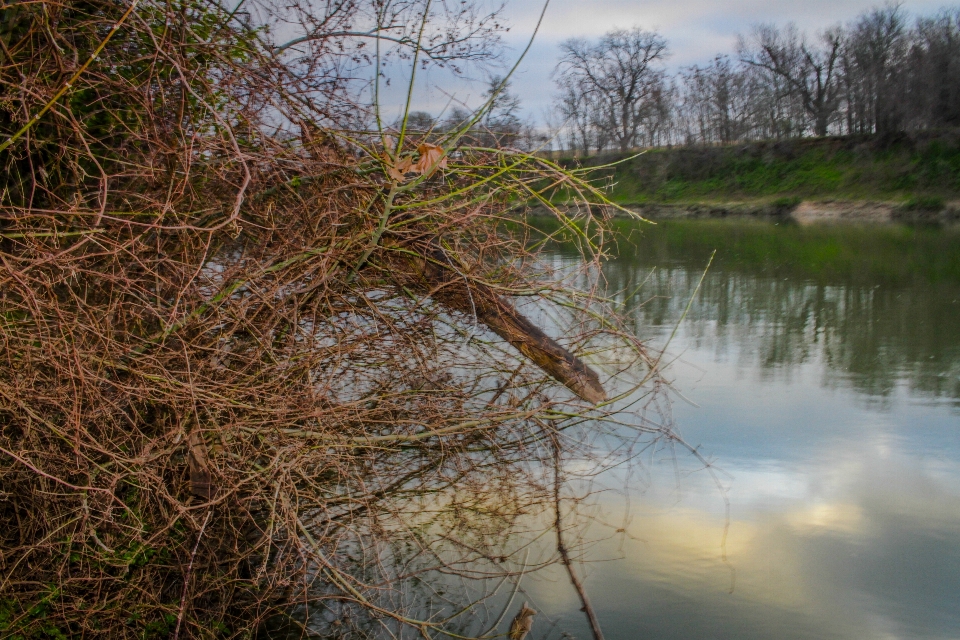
[{"x": 821, "y": 372}]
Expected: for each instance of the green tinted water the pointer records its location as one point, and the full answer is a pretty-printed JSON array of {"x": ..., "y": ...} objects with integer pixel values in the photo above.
[{"x": 824, "y": 364}]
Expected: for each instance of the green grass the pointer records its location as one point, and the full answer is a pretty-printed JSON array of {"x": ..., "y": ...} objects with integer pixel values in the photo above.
[{"x": 921, "y": 169}]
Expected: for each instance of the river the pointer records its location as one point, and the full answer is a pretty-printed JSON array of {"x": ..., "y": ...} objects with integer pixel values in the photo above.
[{"x": 819, "y": 369}]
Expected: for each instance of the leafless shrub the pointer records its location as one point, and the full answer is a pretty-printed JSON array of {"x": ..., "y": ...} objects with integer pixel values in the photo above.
[{"x": 259, "y": 359}]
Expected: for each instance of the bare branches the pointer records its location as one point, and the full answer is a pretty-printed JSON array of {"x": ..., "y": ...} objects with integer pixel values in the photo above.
[
  {"x": 247, "y": 371},
  {"x": 875, "y": 75},
  {"x": 562, "y": 549},
  {"x": 460, "y": 32},
  {"x": 812, "y": 72},
  {"x": 620, "y": 77},
  {"x": 73, "y": 79}
]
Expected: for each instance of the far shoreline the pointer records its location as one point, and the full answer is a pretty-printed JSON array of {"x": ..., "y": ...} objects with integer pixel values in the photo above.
[{"x": 796, "y": 211}]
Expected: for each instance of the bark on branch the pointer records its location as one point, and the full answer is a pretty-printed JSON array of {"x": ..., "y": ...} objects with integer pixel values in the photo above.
[{"x": 450, "y": 289}]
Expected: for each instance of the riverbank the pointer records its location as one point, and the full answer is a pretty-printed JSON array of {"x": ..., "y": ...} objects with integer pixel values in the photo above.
[
  {"x": 911, "y": 178},
  {"x": 805, "y": 211},
  {"x": 922, "y": 168},
  {"x": 796, "y": 211}
]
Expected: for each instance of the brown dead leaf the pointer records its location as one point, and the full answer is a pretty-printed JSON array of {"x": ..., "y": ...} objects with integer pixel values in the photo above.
[
  {"x": 431, "y": 159},
  {"x": 398, "y": 170}
]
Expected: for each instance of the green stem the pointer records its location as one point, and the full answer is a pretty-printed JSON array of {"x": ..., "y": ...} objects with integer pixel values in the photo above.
[
  {"x": 375, "y": 240},
  {"x": 413, "y": 77}
]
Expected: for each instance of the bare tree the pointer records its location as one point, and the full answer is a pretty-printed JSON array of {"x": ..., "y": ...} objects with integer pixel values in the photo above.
[
  {"x": 934, "y": 59},
  {"x": 718, "y": 102},
  {"x": 873, "y": 68},
  {"x": 811, "y": 72},
  {"x": 576, "y": 113},
  {"x": 620, "y": 78},
  {"x": 470, "y": 32},
  {"x": 875, "y": 75},
  {"x": 501, "y": 122}
]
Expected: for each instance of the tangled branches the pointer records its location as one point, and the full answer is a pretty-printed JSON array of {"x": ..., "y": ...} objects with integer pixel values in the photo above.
[{"x": 257, "y": 361}]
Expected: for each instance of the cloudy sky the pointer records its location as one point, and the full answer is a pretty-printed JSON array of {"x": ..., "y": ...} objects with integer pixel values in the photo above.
[{"x": 696, "y": 30}]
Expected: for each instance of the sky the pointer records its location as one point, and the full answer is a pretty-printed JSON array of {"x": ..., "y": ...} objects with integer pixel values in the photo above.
[{"x": 696, "y": 31}]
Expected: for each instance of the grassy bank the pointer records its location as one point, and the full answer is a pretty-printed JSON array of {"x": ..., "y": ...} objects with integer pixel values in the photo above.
[{"x": 921, "y": 171}]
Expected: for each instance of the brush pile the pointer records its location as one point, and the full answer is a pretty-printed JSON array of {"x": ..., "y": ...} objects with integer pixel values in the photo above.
[{"x": 263, "y": 359}]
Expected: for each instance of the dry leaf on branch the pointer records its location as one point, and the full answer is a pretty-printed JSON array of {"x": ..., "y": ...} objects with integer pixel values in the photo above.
[
  {"x": 431, "y": 159},
  {"x": 398, "y": 170},
  {"x": 522, "y": 623}
]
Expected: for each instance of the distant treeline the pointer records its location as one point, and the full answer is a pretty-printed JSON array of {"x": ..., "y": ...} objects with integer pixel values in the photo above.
[{"x": 884, "y": 72}]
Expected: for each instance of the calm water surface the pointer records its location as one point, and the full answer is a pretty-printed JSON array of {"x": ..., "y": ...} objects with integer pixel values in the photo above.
[{"x": 822, "y": 366}]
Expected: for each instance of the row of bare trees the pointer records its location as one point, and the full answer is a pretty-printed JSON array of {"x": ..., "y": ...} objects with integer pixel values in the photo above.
[{"x": 882, "y": 73}]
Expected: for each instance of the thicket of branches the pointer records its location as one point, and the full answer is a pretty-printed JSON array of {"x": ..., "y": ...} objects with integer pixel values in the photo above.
[
  {"x": 501, "y": 124},
  {"x": 881, "y": 74},
  {"x": 264, "y": 355}
]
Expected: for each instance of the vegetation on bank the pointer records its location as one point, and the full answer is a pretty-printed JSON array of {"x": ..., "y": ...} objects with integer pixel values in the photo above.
[{"x": 920, "y": 171}]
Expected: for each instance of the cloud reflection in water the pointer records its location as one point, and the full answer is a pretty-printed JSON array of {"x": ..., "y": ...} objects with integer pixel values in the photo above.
[{"x": 832, "y": 407}]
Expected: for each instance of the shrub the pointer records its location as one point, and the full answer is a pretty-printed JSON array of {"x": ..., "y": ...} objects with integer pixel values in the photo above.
[{"x": 259, "y": 351}]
